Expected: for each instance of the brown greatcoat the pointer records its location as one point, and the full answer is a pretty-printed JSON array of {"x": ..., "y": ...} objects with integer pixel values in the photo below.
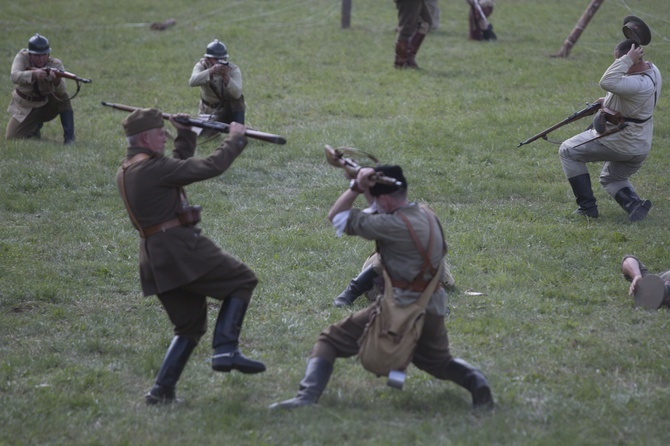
[{"x": 153, "y": 186}]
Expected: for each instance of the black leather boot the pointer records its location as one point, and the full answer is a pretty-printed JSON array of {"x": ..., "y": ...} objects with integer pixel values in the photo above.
[
  {"x": 312, "y": 385},
  {"x": 581, "y": 187},
  {"x": 37, "y": 133},
  {"x": 358, "y": 285},
  {"x": 227, "y": 355},
  {"x": 636, "y": 207},
  {"x": 488, "y": 34},
  {"x": 472, "y": 379},
  {"x": 413, "y": 48},
  {"x": 67, "y": 121},
  {"x": 163, "y": 391}
]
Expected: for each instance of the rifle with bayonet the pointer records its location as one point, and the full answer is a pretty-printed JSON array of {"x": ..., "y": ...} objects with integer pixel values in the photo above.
[
  {"x": 587, "y": 111},
  {"x": 214, "y": 125},
  {"x": 335, "y": 157}
]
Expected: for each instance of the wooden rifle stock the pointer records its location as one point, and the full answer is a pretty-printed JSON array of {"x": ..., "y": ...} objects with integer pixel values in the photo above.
[
  {"x": 335, "y": 157},
  {"x": 589, "y": 110},
  {"x": 214, "y": 125}
]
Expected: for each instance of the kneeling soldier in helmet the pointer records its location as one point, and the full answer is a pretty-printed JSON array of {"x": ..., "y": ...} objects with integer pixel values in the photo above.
[
  {"x": 39, "y": 95},
  {"x": 220, "y": 83}
]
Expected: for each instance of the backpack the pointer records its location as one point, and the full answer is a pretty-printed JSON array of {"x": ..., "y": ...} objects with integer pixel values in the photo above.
[{"x": 393, "y": 331}]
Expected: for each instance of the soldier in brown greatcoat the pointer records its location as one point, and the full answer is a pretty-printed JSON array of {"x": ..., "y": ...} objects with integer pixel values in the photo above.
[{"x": 177, "y": 263}]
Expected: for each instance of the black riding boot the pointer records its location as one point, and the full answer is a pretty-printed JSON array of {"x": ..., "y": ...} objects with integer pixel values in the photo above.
[
  {"x": 227, "y": 355},
  {"x": 37, "y": 133},
  {"x": 67, "y": 121},
  {"x": 472, "y": 379},
  {"x": 581, "y": 187},
  {"x": 175, "y": 360},
  {"x": 488, "y": 34},
  {"x": 636, "y": 208},
  {"x": 312, "y": 385},
  {"x": 358, "y": 285}
]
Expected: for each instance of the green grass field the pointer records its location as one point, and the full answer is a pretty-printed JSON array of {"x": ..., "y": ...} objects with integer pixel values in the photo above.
[{"x": 570, "y": 359}]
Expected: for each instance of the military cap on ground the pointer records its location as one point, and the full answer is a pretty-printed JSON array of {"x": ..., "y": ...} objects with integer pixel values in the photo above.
[
  {"x": 635, "y": 29},
  {"x": 141, "y": 120},
  {"x": 392, "y": 172}
]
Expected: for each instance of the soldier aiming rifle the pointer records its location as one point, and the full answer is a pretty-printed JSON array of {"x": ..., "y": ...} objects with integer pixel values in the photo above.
[{"x": 40, "y": 94}]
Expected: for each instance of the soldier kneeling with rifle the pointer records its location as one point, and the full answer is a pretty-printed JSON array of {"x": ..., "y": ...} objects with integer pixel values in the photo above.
[{"x": 40, "y": 94}]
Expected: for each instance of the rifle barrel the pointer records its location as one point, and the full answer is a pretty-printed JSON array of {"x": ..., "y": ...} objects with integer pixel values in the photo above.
[
  {"x": 215, "y": 125},
  {"x": 589, "y": 110}
]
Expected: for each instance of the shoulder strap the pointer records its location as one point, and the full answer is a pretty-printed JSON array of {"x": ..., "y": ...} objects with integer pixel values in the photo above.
[
  {"x": 427, "y": 265},
  {"x": 121, "y": 180},
  {"x": 425, "y": 295}
]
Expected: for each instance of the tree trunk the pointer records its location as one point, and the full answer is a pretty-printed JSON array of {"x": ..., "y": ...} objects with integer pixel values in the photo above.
[{"x": 579, "y": 27}]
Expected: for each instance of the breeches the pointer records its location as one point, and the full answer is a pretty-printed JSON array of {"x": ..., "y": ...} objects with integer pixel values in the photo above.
[
  {"x": 413, "y": 16},
  {"x": 36, "y": 118},
  {"x": 186, "y": 306},
  {"x": 229, "y": 111},
  {"x": 616, "y": 171},
  {"x": 340, "y": 340}
]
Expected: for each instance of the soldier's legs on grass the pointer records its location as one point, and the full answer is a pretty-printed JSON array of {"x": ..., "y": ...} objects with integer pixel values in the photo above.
[
  {"x": 32, "y": 124},
  {"x": 232, "y": 282},
  {"x": 432, "y": 355},
  {"x": 574, "y": 154},
  {"x": 339, "y": 340},
  {"x": 614, "y": 178},
  {"x": 188, "y": 313}
]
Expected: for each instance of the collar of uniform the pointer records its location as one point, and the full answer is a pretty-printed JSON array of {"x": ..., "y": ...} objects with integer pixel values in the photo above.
[{"x": 132, "y": 151}]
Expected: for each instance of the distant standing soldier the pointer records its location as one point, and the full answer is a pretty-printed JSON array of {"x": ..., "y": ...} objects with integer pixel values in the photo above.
[
  {"x": 414, "y": 22},
  {"x": 39, "y": 95},
  {"x": 220, "y": 83}
]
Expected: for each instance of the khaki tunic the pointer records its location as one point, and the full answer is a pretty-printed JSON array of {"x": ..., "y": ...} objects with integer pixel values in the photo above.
[
  {"x": 40, "y": 90},
  {"x": 403, "y": 261},
  {"x": 178, "y": 256},
  {"x": 398, "y": 251},
  {"x": 42, "y": 101},
  {"x": 213, "y": 90}
]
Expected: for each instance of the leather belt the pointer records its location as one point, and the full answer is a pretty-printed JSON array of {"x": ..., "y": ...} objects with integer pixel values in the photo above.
[
  {"x": 637, "y": 121},
  {"x": 161, "y": 227},
  {"x": 30, "y": 98},
  {"x": 419, "y": 285},
  {"x": 209, "y": 104}
]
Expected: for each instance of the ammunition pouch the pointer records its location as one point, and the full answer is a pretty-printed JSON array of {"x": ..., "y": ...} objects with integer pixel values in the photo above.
[
  {"x": 604, "y": 116},
  {"x": 189, "y": 215}
]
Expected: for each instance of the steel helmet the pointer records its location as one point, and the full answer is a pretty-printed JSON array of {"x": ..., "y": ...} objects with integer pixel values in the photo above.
[
  {"x": 38, "y": 45},
  {"x": 217, "y": 50}
]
